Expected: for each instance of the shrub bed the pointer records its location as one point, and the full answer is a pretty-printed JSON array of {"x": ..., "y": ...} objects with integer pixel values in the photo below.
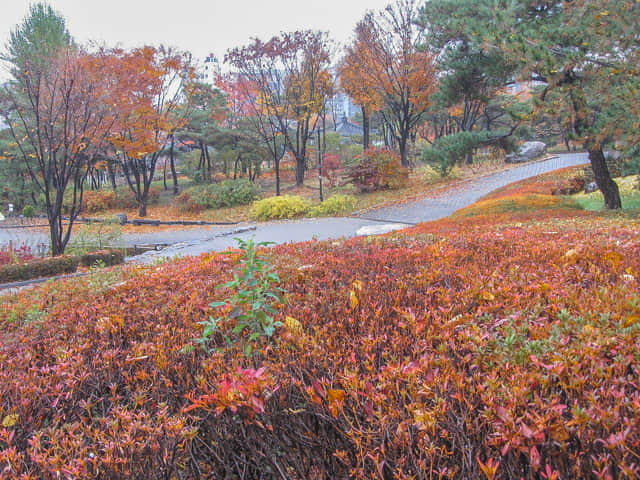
[
  {"x": 462, "y": 349},
  {"x": 53, "y": 266}
]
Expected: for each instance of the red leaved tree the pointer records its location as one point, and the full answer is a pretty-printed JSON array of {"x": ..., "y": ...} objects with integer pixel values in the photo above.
[
  {"x": 60, "y": 117},
  {"x": 287, "y": 83}
]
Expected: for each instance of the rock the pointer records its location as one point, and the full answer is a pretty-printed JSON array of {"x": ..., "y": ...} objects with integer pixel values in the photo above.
[
  {"x": 121, "y": 218},
  {"x": 590, "y": 187},
  {"x": 528, "y": 151}
]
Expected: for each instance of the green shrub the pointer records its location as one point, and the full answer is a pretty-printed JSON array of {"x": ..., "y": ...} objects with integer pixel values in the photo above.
[
  {"x": 377, "y": 169},
  {"x": 286, "y": 206},
  {"x": 447, "y": 151},
  {"x": 29, "y": 211},
  {"x": 47, "y": 267},
  {"x": 255, "y": 292},
  {"x": 335, "y": 205},
  {"x": 227, "y": 193}
]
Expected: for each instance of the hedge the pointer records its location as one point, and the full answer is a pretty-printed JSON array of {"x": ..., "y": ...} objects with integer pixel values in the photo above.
[{"x": 50, "y": 267}]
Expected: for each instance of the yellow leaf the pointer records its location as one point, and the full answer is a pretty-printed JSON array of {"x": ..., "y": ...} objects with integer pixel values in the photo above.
[
  {"x": 293, "y": 324},
  {"x": 10, "y": 420},
  {"x": 336, "y": 396},
  {"x": 488, "y": 296},
  {"x": 353, "y": 299}
]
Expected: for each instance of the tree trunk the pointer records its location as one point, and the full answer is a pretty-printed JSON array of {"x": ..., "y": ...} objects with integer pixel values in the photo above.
[
  {"x": 142, "y": 209},
  {"x": 300, "y": 168},
  {"x": 365, "y": 128},
  {"x": 402, "y": 145},
  {"x": 112, "y": 175},
  {"x": 607, "y": 186},
  {"x": 174, "y": 174},
  {"x": 277, "y": 165},
  {"x": 164, "y": 175},
  {"x": 583, "y": 124}
]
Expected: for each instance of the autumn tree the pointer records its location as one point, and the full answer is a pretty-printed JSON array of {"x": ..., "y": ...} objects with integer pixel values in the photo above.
[
  {"x": 288, "y": 82},
  {"x": 357, "y": 58},
  {"x": 388, "y": 58},
  {"x": 57, "y": 113},
  {"x": 148, "y": 89}
]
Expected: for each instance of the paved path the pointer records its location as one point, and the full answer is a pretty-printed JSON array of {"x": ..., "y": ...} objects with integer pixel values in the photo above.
[
  {"x": 438, "y": 204},
  {"x": 432, "y": 207}
]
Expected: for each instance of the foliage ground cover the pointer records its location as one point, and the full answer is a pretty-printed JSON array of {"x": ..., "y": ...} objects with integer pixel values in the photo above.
[{"x": 484, "y": 347}]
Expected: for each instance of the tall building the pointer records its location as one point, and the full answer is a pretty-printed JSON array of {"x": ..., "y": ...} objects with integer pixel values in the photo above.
[{"x": 209, "y": 70}]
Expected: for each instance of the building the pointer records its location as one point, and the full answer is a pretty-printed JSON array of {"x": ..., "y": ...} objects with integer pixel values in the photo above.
[
  {"x": 209, "y": 71},
  {"x": 341, "y": 106}
]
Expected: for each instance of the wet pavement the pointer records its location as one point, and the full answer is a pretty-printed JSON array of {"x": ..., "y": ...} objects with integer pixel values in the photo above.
[{"x": 435, "y": 205}]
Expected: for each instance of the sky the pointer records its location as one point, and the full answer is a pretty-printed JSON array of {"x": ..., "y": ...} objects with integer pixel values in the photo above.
[{"x": 198, "y": 26}]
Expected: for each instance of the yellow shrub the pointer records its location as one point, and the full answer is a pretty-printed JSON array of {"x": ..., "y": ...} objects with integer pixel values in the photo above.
[
  {"x": 335, "y": 205},
  {"x": 285, "y": 206}
]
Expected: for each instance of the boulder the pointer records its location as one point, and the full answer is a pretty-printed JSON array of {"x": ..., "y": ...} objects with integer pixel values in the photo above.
[
  {"x": 528, "y": 151},
  {"x": 590, "y": 187},
  {"x": 121, "y": 218}
]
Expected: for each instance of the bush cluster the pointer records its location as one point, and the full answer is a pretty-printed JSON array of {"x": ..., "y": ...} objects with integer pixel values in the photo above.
[
  {"x": 334, "y": 205},
  {"x": 29, "y": 211},
  {"x": 106, "y": 199},
  {"x": 377, "y": 169},
  {"x": 227, "y": 193}
]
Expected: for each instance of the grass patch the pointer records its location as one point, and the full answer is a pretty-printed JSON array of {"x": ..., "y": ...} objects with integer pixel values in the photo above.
[{"x": 629, "y": 194}]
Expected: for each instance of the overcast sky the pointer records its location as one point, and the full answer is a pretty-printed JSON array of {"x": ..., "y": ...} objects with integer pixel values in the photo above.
[{"x": 199, "y": 26}]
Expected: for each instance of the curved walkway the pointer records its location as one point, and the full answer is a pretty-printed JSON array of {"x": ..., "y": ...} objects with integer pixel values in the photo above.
[{"x": 433, "y": 206}]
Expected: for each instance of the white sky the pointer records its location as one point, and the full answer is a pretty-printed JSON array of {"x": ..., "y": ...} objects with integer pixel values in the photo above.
[{"x": 198, "y": 26}]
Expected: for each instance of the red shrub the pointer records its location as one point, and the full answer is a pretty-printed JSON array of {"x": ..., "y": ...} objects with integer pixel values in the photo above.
[
  {"x": 10, "y": 255},
  {"x": 331, "y": 166},
  {"x": 377, "y": 169}
]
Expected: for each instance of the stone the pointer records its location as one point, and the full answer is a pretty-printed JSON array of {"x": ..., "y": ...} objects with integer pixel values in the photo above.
[
  {"x": 590, "y": 187},
  {"x": 121, "y": 218},
  {"x": 528, "y": 151}
]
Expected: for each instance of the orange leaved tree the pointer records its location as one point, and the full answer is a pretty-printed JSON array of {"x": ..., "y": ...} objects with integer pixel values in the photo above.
[
  {"x": 148, "y": 88},
  {"x": 387, "y": 60}
]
